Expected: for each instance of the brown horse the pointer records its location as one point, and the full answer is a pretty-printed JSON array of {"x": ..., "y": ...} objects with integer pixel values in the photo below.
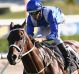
[{"x": 37, "y": 59}]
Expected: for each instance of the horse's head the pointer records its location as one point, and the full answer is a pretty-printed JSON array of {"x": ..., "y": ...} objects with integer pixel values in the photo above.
[{"x": 16, "y": 40}]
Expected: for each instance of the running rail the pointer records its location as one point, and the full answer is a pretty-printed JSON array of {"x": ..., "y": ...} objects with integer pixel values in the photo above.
[{"x": 3, "y": 55}]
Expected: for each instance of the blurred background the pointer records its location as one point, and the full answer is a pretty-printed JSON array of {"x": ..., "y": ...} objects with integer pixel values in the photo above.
[{"x": 15, "y": 11}]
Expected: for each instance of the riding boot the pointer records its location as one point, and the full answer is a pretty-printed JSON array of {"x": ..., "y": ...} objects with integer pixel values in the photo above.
[{"x": 65, "y": 54}]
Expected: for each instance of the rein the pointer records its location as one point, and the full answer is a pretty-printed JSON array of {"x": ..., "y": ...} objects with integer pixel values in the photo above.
[{"x": 24, "y": 54}]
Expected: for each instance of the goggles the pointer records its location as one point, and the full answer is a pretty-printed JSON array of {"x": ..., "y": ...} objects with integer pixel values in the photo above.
[{"x": 35, "y": 13}]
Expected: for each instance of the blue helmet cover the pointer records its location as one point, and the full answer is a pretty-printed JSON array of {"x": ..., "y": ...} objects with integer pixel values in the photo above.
[{"x": 33, "y": 6}]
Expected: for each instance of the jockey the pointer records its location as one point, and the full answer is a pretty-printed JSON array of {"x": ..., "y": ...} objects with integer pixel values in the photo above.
[{"x": 48, "y": 19}]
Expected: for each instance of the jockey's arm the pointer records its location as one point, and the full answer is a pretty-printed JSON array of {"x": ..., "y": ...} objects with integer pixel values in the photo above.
[{"x": 53, "y": 27}]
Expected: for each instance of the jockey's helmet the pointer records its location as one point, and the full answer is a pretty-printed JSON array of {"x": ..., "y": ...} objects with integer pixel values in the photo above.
[{"x": 33, "y": 6}]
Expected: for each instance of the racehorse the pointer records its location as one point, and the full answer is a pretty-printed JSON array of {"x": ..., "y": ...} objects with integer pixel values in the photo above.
[{"x": 37, "y": 59}]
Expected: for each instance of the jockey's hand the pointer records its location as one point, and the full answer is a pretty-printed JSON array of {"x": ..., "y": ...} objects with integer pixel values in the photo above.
[{"x": 40, "y": 39}]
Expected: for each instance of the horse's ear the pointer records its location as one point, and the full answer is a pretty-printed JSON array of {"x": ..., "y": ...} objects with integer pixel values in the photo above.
[
  {"x": 11, "y": 25},
  {"x": 24, "y": 23}
]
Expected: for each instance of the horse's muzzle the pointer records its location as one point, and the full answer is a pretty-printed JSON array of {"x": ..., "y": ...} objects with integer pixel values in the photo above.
[{"x": 11, "y": 59}]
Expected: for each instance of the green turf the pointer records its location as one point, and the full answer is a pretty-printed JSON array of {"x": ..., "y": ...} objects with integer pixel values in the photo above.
[{"x": 3, "y": 45}]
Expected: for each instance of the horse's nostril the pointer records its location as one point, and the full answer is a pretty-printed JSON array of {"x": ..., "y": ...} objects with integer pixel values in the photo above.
[{"x": 14, "y": 57}]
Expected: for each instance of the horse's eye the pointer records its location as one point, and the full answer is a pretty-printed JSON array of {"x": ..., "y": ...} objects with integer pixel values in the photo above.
[{"x": 21, "y": 33}]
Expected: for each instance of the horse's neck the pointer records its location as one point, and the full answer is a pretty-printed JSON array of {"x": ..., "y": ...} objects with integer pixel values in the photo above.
[
  {"x": 32, "y": 62},
  {"x": 29, "y": 42}
]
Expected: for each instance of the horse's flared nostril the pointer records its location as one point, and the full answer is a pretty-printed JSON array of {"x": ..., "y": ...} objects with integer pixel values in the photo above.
[
  {"x": 14, "y": 57},
  {"x": 9, "y": 58}
]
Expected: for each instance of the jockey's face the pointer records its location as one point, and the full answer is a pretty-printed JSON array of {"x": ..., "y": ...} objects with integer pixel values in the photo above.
[{"x": 36, "y": 15}]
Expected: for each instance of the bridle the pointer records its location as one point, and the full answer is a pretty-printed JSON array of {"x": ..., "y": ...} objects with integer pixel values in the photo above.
[{"x": 21, "y": 54}]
